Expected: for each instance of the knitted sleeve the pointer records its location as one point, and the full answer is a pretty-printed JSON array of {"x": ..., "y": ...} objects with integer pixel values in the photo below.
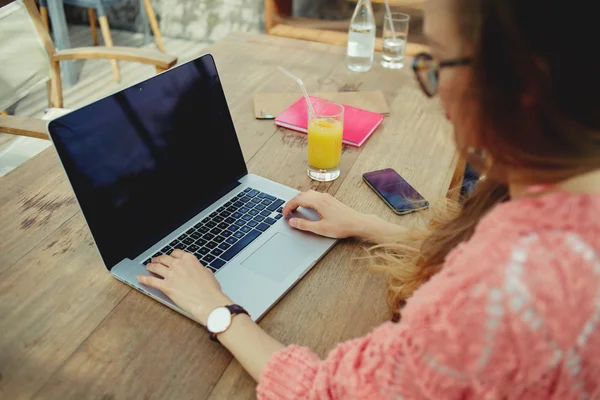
[{"x": 503, "y": 319}]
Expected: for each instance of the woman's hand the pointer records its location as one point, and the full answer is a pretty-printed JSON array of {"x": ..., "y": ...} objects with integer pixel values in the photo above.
[
  {"x": 337, "y": 221},
  {"x": 190, "y": 285}
]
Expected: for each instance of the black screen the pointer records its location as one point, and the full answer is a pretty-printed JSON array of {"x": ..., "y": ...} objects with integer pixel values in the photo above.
[
  {"x": 398, "y": 193},
  {"x": 147, "y": 159}
]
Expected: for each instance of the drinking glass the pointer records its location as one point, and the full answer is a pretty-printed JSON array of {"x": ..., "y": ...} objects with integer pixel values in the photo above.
[
  {"x": 325, "y": 128},
  {"x": 394, "y": 41}
]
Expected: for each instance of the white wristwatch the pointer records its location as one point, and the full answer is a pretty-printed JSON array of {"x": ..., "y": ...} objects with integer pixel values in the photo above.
[{"x": 219, "y": 320}]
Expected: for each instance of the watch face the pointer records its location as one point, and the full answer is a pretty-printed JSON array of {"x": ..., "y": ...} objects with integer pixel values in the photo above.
[{"x": 218, "y": 320}]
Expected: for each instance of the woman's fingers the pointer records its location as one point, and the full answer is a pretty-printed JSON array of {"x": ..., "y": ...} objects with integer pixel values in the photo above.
[
  {"x": 151, "y": 281},
  {"x": 158, "y": 269},
  {"x": 178, "y": 253},
  {"x": 164, "y": 259},
  {"x": 306, "y": 199},
  {"x": 305, "y": 225}
]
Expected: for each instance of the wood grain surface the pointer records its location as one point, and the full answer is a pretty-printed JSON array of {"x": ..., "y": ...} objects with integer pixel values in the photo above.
[{"x": 71, "y": 331}]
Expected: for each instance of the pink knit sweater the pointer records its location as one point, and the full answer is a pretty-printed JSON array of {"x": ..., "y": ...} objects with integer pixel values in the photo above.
[{"x": 514, "y": 314}]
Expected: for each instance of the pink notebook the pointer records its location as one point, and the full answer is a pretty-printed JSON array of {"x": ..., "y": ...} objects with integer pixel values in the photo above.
[{"x": 359, "y": 124}]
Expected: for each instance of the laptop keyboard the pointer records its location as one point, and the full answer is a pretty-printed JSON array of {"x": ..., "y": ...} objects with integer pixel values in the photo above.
[{"x": 223, "y": 234}]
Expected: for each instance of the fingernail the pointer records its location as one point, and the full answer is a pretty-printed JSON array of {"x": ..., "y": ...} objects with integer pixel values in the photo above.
[{"x": 293, "y": 222}]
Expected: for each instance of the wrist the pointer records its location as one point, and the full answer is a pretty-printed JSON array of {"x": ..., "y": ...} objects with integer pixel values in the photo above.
[
  {"x": 202, "y": 312},
  {"x": 366, "y": 226}
]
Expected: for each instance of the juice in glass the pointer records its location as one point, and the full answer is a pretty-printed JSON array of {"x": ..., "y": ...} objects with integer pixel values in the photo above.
[{"x": 325, "y": 129}]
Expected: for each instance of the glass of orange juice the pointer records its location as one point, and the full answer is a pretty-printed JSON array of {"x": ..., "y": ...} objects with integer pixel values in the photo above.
[{"x": 325, "y": 128}]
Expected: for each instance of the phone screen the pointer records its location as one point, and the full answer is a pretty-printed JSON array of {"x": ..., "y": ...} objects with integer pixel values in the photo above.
[{"x": 395, "y": 191}]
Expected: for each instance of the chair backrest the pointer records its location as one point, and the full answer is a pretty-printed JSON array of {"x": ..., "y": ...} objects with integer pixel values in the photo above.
[{"x": 24, "y": 52}]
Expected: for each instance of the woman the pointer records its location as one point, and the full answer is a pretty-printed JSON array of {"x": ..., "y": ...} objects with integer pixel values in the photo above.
[{"x": 506, "y": 297}]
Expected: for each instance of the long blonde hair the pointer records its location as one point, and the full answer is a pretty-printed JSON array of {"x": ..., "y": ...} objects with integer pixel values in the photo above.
[{"x": 517, "y": 53}]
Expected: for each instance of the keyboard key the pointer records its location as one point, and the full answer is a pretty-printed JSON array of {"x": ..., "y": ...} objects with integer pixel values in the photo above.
[
  {"x": 156, "y": 254},
  {"x": 255, "y": 200},
  {"x": 216, "y": 231},
  {"x": 208, "y": 258},
  {"x": 218, "y": 219},
  {"x": 265, "y": 213},
  {"x": 266, "y": 202},
  {"x": 280, "y": 210},
  {"x": 239, "y": 246},
  {"x": 262, "y": 195},
  {"x": 181, "y": 246},
  {"x": 165, "y": 249},
  {"x": 253, "y": 212},
  {"x": 246, "y": 199},
  {"x": 259, "y": 207},
  {"x": 278, "y": 216},
  {"x": 183, "y": 236},
  {"x": 263, "y": 227},
  {"x": 232, "y": 209},
  {"x": 173, "y": 243},
  {"x": 230, "y": 220},
  {"x": 259, "y": 218},
  {"x": 216, "y": 252},
  {"x": 231, "y": 240},
  {"x": 219, "y": 239},
  {"x": 236, "y": 215},
  {"x": 192, "y": 248},
  {"x": 238, "y": 204},
  {"x": 211, "y": 245},
  {"x": 217, "y": 264},
  {"x": 209, "y": 236},
  {"x": 196, "y": 235},
  {"x": 203, "y": 251},
  {"x": 244, "y": 210},
  {"x": 191, "y": 230},
  {"x": 245, "y": 229},
  {"x": 247, "y": 189},
  {"x": 252, "y": 223},
  {"x": 226, "y": 233},
  {"x": 233, "y": 228},
  {"x": 214, "y": 214},
  {"x": 203, "y": 229},
  {"x": 188, "y": 241},
  {"x": 253, "y": 193},
  {"x": 272, "y": 198},
  {"x": 247, "y": 217},
  {"x": 227, "y": 204},
  {"x": 222, "y": 225},
  {"x": 276, "y": 204},
  {"x": 225, "y": 214},
  {"x": 221, "y": 209},
  {"x": 240, "y": 222},
  {"x": 224, "y": 246},
  {"x": 238, "y": 235},
  {"x": 211, "y": 224},
  {"x": 200, "y": 242},
  {"x": 270, "y": 221}
]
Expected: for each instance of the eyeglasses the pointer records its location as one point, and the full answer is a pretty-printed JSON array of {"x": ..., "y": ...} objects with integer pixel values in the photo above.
[{"x": 427, "y": 70}]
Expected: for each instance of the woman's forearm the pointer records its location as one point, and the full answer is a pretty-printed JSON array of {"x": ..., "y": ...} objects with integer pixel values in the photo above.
[
  {"x": 252, "y": 346},
  {"x": 376, "y": 230}
]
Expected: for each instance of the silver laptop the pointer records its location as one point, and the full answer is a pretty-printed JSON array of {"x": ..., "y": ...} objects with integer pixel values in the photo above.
[{"x": 158, "y": 166}]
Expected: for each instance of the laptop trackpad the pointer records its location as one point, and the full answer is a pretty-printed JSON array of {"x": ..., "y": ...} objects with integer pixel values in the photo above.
[{"x": 272, "y": 260}]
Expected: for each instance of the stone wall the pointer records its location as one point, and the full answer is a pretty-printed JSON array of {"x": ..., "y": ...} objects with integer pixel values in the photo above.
[{"x": 204, "y": 20}]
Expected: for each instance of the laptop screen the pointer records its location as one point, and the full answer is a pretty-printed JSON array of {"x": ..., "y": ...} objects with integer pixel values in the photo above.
[{"x": 147, "y": 159}]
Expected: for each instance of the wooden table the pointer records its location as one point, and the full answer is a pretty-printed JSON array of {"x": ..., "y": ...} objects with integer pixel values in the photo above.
[{"x": 68, "y": 330}]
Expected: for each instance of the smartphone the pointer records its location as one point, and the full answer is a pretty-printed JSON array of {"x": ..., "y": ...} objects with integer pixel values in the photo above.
[{"x": 398, "y": 194}]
